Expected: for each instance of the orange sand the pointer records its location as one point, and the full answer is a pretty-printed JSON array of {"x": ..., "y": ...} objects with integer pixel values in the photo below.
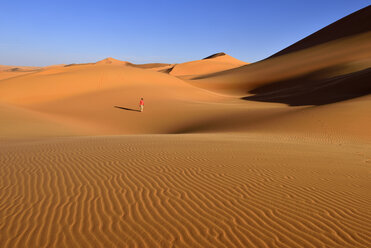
[{"x": 226, "y": 154}]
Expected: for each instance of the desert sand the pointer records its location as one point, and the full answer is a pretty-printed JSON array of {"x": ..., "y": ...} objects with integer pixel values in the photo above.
[{"x": 275, "y": 153}]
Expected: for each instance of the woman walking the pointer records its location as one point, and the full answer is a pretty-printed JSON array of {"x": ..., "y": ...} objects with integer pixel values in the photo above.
[{"x": 141, "y": 105}]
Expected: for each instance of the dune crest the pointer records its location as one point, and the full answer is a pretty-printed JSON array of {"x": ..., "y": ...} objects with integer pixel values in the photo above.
[
  {"x": 353, "y": 24},
  {"x": 214, "y": 63},
  {"x": 215, "y": 55},
  {"x": 15, "y": 71},
  {"x": 112, "y": 61}
]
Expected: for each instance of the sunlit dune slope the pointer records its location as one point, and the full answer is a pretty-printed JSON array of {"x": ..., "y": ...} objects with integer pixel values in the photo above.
[
  {"x": 112, "y": 61},
  {"x": 213, "y": 63},
  {"x": 62, "y": 82},
  {"x": 105, "y": 98},
  {"x": 154, "y": 66},
  {"x": 20, "y": 123},
  {"x": 10, "y": 74}
]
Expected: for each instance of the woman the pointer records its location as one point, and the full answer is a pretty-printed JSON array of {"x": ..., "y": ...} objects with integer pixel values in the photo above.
[{"x": 141, "y": 105}]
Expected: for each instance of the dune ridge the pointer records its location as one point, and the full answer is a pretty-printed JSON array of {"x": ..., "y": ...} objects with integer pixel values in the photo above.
[
  {"x": 12, "y": 68},
  {"x": 14, "y": 71},
  {"x": 353, "y": 24},
  {"x": 211, "y": 64}
]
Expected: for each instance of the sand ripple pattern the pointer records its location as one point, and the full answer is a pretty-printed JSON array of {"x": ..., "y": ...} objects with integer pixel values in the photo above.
[{"x": 182, "y": 191}]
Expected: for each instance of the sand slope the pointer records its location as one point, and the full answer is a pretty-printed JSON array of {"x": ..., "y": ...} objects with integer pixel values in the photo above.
[
  {"x": 20, "y": 123},
  {"x": 105, "y": 98},
  {"x": 111, "y": 61}
]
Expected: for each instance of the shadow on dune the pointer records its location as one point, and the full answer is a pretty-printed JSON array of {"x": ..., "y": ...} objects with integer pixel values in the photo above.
[
  {"x": 313, "y": 90},
  {"x": 129, "y": 109}
]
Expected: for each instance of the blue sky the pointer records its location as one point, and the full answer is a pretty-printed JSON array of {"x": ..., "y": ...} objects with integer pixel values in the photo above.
[{"x": 42, "y": 33}]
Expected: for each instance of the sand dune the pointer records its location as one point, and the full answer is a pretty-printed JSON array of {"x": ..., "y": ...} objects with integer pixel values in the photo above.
[
  {"x": 226, "y": 154},
  {"x": 14, "y": 71},
  {"x": 103, "y": 98},
  {"x": 62, "y": 82},
  {"x": 214, "y": 63},
  {"x": 112, "y": 61},
  {"x": 327, "y": 60},
  {"x": 341, "y": 51},
  {"x": 154, "y": 66},
  {"x": 11, "y": 68},
  {"x": 10, "y": 74},
  {"x": 100, "y": 97}
]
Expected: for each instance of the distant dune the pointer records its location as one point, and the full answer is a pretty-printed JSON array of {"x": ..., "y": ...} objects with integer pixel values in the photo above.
[
  {"x": 14, "y": 71},
  {"x": 112, "y": 61},
  {"x": 214, "y": 63},
  {"x": 10, "y": 68},
  {"x": 150, "y": 65},
  {"x": 275, "y": 153}
]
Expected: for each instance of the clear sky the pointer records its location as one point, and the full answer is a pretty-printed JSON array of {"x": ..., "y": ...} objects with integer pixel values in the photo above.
[{"x": 38, "y": 32}]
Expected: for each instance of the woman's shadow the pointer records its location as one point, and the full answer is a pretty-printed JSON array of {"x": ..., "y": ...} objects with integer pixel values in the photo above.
[{"x": 129, "y": 109}]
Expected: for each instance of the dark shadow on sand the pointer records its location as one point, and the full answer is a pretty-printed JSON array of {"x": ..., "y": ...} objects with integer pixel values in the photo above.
[
  {"x": 129, "y": 109},
  {"x": 311, "y": 90}
]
